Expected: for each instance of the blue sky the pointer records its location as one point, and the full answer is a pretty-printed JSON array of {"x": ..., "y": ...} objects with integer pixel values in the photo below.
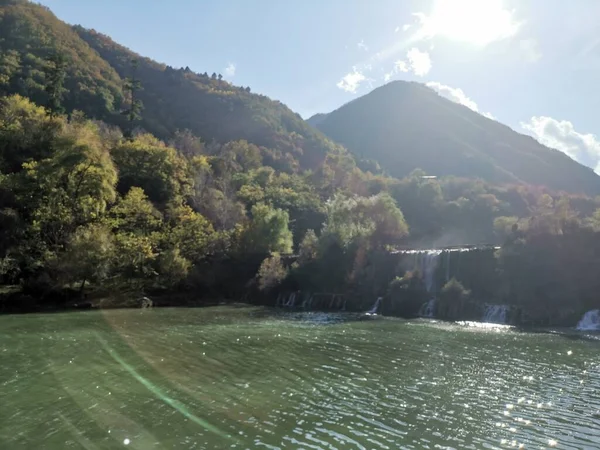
[{"x": 531, "y": 64}]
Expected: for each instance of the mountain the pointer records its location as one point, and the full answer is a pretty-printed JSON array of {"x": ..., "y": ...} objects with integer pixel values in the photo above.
[
  {"x": 406, "y": 125},
  {"x": 174, "y": 99},
  {"x": 403, "y": 126}
]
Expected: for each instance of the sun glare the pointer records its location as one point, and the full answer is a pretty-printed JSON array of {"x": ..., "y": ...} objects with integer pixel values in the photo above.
[{"x": 477, "y": 22}]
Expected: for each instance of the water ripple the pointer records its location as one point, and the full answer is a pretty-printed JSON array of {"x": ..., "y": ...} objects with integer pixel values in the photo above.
[{"x": 292, "y": 380}]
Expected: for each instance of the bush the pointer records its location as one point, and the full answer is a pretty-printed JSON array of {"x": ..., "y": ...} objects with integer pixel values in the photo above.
[
  {"x": 406, "y": 295},
  {"x": 271, "y": 272},
  {"x": 453, "y": 299}
]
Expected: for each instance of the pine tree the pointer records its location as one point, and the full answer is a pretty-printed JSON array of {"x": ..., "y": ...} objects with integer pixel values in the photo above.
[
  {"x": 55, "y": 77},
  {"x": 132, "y": 86}
]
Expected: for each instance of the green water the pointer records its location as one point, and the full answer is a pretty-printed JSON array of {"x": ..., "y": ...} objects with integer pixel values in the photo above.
[{"x": 246, "y": 378}]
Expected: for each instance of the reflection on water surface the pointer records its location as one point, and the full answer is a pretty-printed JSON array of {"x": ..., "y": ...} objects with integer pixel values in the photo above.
[{"x": 231, "y": 377}]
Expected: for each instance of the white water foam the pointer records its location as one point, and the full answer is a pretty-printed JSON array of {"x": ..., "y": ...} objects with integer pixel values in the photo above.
[
  {"x": 495, "y": 314},
  {"x": 428, "y": 309},
  {"x": 373, "y": 311},
  {"x": 590, "y": 321}
]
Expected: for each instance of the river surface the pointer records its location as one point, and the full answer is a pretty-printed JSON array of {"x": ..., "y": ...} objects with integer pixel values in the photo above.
[{"x": 245, "y": 378}]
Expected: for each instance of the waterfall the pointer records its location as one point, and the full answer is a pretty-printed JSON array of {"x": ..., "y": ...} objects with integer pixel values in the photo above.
[
  {"x": 375, "y": 308},
  {"x": 429, "y": 262},
  {"x": 291, "y": 301},
  {"x": 495, "y": 314},
  {"x": 590, "y": 321},
  {"x": 428, "y": 309}
]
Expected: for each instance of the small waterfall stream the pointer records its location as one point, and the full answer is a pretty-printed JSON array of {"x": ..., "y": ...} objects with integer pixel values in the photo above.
[
  {"x": 373, "y": 311},
  {"x": 495, "y": 314},
  {"x": 427, "y": 263},
  {"x": 590, "y": 321},
  {"x": 428, "y": 309}
]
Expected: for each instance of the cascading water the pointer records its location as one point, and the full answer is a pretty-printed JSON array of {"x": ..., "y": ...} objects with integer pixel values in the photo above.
[
  {"x": 495, "y": 314},
  {"x": 429, "y": 262},
  {"x": 375, "y": 308},
  {"x": 292, "y": 300},
  {"x": 590, "y": 321},
  {"x": 428, "y": 309},
  {"x": 308, "y": 301},
  {"x": 288, "y": 302}
]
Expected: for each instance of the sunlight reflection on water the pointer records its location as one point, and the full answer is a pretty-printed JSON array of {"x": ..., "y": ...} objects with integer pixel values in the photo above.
[{"x": 295, "y": 380}]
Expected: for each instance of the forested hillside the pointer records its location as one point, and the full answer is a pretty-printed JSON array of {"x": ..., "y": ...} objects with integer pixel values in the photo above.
[
  {"x": 173, "y": 99},
  {"x": 119, "y": 174},
  {"x": 408, "y": 125}
]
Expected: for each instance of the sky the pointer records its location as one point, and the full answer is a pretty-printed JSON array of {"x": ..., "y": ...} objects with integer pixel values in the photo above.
[{"x": 531, "y": 64}]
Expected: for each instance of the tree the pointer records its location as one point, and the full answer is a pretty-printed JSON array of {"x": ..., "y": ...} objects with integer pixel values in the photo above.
[
  {"x": 27, "y": 132},
  {"x": 452, "y": 300},
  {"x": 390, "y": 226},
  {"x": 191, "y": 233},
  {"x": 88, "y": 255},
  {"x": 271, "y": 272},
  {"x": 308, "y": 249},
  {"x": 148, "y": 163},
  {"x": 135, "y": 214},
  {"x": 376, "y": 219},
  {"x": 267, "y": 231},
  {"x": 55, "y": 78},
  {"x": 187, "y": 144},
  {"x": 505, "y": 226},
  {"x": 173, "y": 267},
  {"x": 593, "y": 222},
  {"x": 135, "y": 261},
  {"x": 71, "y": 188},
  {"x": 132, "y": 86}
]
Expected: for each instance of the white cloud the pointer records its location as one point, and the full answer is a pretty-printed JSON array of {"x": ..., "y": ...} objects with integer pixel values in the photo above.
[
  {"x": 456, "y": 95},
  {"x": 419, "y": 62},
  {"x": 362, "y": 46},
  {"x": 530, "y": 50},
  {"x": 405, "y": 27},
  {"x": 351, "y": 81},
  {"x": 400, "y": 66},
  {"x": 230, "y": 70},
  {"x": 561, "y": 135},
  {"x": 478, "y": 22}
]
